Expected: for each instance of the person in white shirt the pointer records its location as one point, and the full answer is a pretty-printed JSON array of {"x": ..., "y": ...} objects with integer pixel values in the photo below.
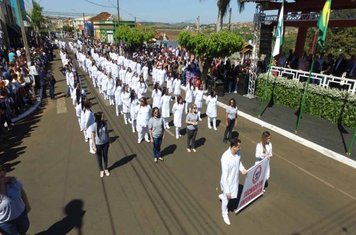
[
  {"x": 211, "y": 110},
  {"x": 229, "y": 182},
  {"x": 176, "y": 87},
  {"x": 143, "y": 116},
  {"x": 125, "y": 98},
  {"x": 156, "y": 96},
  {"x": 134, "y": 105},
  {"x": 165, "y": 107},
  {"x": 189, "y": 95},
  {"x": 118, "y": 101},
  {"x": 145, "y": 72},
  {"x": 141, "y": 88},
  {"x": 199, "y": 96},
  {"x": 111, "y": 89},
  {"x": 177, "y": 111},
  {"x": 264, "y": 150}
]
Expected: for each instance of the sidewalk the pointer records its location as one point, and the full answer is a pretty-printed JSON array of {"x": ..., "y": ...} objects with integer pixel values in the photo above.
[{"x": 322, "y": 132}]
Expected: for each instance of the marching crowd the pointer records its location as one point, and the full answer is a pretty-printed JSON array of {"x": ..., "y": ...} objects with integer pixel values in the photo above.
[{"x": 122, "y": 81}]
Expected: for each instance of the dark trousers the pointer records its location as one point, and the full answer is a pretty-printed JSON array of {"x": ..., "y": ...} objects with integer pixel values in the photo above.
[
  {"x": 51, "y": 91},
  {"x": 228, "y": 130},
  {"x": 102, "y": 155},
  {"x": 157, "y": 147},
  {"x": 19, "y": 225},
  {"x": 191, "y": 134}
]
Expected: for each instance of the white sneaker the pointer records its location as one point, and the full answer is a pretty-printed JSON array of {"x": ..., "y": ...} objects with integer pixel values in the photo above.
[
  {"x": 133, "y": 131},
  {"x": 156, "y": 160},
  {"x": 107, "y": 173},
  {"x": 221, "y": 196},
  {"x": 101, "y": 174},
  {"x": 147, "y": 140},
  {"x": 177, "y": 137},
  {"x": 209, "y": 127},
  {"x": 139, "y": 141},
  {"x": 226, "y": 219},
  {"x": 92, "y": 152},
  {"x": 215, "y": 129}
]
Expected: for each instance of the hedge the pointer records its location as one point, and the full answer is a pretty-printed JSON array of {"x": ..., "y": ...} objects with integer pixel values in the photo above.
[{"x": 335, "y": 105}]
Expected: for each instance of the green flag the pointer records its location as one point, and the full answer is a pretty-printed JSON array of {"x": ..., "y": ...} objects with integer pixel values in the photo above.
[{"x": 323, "y": 23}]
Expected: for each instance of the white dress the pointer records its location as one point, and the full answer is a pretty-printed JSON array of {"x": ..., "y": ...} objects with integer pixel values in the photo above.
[
  {"x": 189, "y": 94},
  {"x": 156, "y": 98},
  {"x": 125, "y": 98},
  {"x": 133, "y": 109},
  {"x": 198, "y": 98},
  {"x": 110, "y": 87},
  {"x": 211, "y": 103},
  {"x": 176, "y": 87},
  {"x": 177, "y": 111},
  {"x": 165, "y": 110},
  {"x": 117, "y": 94}
]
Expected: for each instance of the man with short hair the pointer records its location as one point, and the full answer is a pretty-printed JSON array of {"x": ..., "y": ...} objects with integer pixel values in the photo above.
[{"x": 229, "y": 182}]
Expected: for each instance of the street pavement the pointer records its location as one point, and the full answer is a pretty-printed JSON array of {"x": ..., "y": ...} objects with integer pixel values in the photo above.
[{"x": 308, "y": 193}]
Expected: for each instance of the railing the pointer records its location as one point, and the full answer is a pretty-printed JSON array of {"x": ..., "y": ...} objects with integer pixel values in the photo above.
[
  {"x": 323, "y": 80},
  {"x": 296, "y": 16}
]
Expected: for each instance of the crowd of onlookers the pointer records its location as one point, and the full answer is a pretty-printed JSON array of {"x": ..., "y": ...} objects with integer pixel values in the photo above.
[
  {"x": 19, "y": 81},
  {"x": 324, "y": 64}
]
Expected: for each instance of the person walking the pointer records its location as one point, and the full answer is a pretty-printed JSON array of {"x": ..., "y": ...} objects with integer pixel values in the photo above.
[
  {"x": 165, "y": 107},
  {"x": 229, "y": 182},
  {"x": 143, "y": 116},
  {"x": 156, "y": 130},
  {"x": 264, "y": 150},
  {"x": 125, "y": 98},
  {"x": 101, "y": 143},
  {"x": 134, "y": 103},
  {"x": 177, "y": 110},
  {"x": 211, "y": 110},
  {"x": 199, "y": 97},
  {"x": 230, "y": 119},
  {"x": 117, "y": 95},
  {"x": 192, "y": 128},
  {"x": 156, "y": 96},
  {"x": 87, "y": 119},
  {"x": 14, "y": 206},
  {"x": 189, "y": 95}
]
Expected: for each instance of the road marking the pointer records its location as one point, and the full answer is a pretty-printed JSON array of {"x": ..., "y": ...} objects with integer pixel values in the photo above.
[{"x": 61, "y": 105}]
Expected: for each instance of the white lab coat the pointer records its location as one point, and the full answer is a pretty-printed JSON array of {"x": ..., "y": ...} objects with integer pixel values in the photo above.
[
  {"x": 117, "y": 94},
  {"x": 260, "y": 155},
  {"x": 177, "y": 111},
  {"x": 125, "y": 98},
  {"x": 230, "y": 167},
  {"x": 156, "y": 98},
  {"x": 165, "y": 109},
  {"x": 211, "y": 110},
  {"x": 198, "y": 98}
]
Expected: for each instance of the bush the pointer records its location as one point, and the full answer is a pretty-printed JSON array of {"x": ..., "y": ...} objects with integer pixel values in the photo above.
[{"x": 328, "y": 103}]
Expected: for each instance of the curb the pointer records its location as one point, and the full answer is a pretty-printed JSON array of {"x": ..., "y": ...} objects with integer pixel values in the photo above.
[
  {"x": 327, "y": 152},
  {"x": 30, "y": 110}
]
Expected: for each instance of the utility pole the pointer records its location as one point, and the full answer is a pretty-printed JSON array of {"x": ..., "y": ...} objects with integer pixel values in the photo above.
[
  {"x": 83, "y": 24},
  {"x": 23, "y": 32},
  {"x": 198, "y": 24},
  {"x": 230, "y": 19},
  {"x": 118, "y": 11}
]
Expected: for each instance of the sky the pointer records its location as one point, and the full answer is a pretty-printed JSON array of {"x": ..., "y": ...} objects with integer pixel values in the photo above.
[{"x": 170, "y": 11}]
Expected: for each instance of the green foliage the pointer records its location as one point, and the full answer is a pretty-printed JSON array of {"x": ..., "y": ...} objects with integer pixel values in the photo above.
[
  {"x": 67, "y": 28},
  {"x": 219, "y": 44},
  {"x": 330, "y": 104},
  {"x": 134, "y": 37},
  {"x": 36, "y": 15}
]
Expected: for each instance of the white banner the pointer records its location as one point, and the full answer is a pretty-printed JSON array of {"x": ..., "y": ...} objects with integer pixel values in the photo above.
[{"x": 254, "y": 184}]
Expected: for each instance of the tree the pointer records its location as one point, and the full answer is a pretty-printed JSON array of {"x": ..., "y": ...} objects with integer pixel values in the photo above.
[
  {"x": 68, "y": 28},
  {"x": 36, "y": 16},
  {"x": 134, "y": 37},
  {"x": 223, "y": 6},
  {"x": 208, "y": 47}
]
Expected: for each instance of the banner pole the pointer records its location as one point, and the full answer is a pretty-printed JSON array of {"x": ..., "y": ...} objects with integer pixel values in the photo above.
[{"x": 349, "y": 149}]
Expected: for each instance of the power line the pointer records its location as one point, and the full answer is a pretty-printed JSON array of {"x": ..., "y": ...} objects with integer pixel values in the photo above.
[{"x": 100, "y": 5}]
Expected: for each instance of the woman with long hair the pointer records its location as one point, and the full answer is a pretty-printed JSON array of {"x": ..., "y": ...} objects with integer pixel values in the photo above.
[
  {"x": 125, "y": 98},
  {"x": 192, "y": 128},
  {"x": 264, "y": 150},
  {"x": 101, "y": 142},
  {"x": 230, "y": 119},
  {"x": 134, "y": 103},
  {"x": 156, "y": 130},
  {"x": 211, "y": 110},
  {"x": 117, "y": 95},
  {"x": 156, "y": 96},
  {"x": 189, "y": 95}
]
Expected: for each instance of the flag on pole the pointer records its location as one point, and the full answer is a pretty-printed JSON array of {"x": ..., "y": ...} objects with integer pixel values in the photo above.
[
  {"x": 279, "y": 33},
  {"x": 323, "y": 23}
]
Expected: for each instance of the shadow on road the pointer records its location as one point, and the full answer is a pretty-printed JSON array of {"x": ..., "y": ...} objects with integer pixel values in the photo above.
[
  {"x": 122, "y": 162},
  {"x": 200, "y": 142},
  {"x": 10, "y": 145},
  {"x": 168, "y": 150},
  {"x": 74, "y": 219}
]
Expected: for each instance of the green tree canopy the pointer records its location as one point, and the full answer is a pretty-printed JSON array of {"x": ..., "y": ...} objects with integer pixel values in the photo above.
[
  {"x": 68, "y": 28},
  {"x": 208, "y": 47},
  {"x": 134, "y": 37},
  {"x": 36, "y": 15}
]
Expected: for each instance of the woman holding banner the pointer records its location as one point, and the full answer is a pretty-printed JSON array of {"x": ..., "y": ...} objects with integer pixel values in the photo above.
[
  {"x": 229, "y": 182},
  {"x": 264, "y": 150}
]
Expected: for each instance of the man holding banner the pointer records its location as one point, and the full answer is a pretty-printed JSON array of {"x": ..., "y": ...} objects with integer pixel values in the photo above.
[{"x": 229, "y": 182}]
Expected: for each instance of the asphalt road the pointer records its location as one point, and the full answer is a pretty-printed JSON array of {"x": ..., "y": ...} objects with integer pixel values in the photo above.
[{"x": 308, "y": 193}]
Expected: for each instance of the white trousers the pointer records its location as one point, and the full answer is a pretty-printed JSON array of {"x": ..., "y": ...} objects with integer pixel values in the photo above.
[{"x": 142, "y": 131}]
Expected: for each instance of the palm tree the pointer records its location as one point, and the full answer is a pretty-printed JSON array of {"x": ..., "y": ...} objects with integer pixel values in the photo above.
[{"x": 222, "y": 10}]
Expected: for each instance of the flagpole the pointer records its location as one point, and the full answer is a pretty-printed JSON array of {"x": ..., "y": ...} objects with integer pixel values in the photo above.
[
  {"x": 269, "y": 71},
  {"x": 306, "y": 89}
]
